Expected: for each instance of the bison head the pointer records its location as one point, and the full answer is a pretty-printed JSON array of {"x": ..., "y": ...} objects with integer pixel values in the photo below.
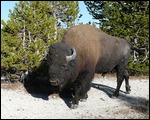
[{"x": 61, "y": 61}]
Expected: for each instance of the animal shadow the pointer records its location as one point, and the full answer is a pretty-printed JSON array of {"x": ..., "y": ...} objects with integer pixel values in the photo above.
[
  {"x": 37, "y": 84},
  {"x": 36, "y": 81},
  {"x": 39, "y": 88},
  {"x": 108, "y": 90}
]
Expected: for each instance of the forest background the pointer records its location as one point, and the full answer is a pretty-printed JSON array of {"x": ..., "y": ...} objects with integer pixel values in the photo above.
[{"x": 35, "y": 25}]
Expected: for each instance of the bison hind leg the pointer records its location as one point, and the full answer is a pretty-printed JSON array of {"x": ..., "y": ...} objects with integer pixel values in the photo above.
[
  {"x": 120, "y": 77},
  {"x": 115, "y": 94},
  {"x": 128, "y": 87}
]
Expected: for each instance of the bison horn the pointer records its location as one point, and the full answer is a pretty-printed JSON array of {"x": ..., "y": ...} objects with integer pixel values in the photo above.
[{"x": 71, "y": 57}]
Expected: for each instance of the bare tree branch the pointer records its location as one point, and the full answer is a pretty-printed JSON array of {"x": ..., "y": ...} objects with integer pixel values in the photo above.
[{"x": 146, "y": 57}]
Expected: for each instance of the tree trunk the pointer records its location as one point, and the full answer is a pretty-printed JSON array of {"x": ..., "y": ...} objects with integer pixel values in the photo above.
[
  {"x": 55, "y": 25},
  {"x": 134, "y": 52},
  {"x": 54, "y": 10},
  {"x": 24, "y": 35},
  {"x": 29, "y": 38}
]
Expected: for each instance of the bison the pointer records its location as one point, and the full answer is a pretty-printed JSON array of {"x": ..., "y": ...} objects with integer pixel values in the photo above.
[{"x": 84, "y": 51}]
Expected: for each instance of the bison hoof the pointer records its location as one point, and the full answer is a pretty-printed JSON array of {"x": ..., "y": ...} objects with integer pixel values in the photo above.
[
  {"x": 128, "y": 92},
  {"x": 74, "y": 106},
  {"x": 115, "y": 95},
  {"x": 83, "y": 100},
  {"x": 128, "y": 89}
]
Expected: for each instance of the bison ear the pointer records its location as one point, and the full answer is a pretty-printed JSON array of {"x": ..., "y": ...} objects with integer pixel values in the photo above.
[{"x": 73, "y": 56}]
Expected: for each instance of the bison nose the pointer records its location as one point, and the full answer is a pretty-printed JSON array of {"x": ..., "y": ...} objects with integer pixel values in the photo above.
[{"x": 54, "y": 82}]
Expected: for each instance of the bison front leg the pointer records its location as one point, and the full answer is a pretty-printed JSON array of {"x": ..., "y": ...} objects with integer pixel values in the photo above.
[
  {"x": 84, "y": 98},
  {"x": 76, "y": 98},
  {"x": 83, "y": 84}
]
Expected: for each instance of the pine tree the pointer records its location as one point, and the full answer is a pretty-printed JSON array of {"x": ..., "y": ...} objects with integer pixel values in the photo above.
[
  {"x": 65, "y": 14},
  {"x": 31, "y": 29},
  {"x": 129, "y": 20},
  {"x": 11, "y": 51},
  {"x": 30, "y": 23}
]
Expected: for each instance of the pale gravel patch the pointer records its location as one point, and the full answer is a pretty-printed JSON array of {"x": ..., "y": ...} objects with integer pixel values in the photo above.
[{"x": 19, "y": 104}]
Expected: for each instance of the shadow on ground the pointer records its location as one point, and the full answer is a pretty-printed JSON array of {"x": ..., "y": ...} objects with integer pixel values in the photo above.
[
  {"x": 41, "y": 88},
  {"x": 137, "y": 103}
]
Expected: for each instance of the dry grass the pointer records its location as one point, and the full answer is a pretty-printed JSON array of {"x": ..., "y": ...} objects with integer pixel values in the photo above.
[
  {"x": 11, "y": 86},
  {"x": 130, "y": 77}
]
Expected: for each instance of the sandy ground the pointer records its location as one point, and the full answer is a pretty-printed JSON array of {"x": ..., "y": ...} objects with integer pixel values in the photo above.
[{"x": 19, "y": 104}]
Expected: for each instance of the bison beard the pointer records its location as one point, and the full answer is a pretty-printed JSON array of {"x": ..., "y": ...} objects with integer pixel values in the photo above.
[{"x": 83, "y": 51}]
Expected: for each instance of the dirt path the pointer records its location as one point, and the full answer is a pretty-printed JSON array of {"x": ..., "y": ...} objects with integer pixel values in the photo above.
[{"x": 18, "y": 103}]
